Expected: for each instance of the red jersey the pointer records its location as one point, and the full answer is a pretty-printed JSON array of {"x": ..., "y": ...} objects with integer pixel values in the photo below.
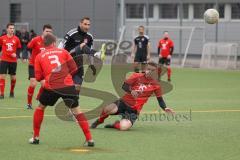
[
  {"x": 165, "y": 46},
  {"x": 36, "y": 44},
  {"x": 55, "y": 66},
  {"x": 145, "y": 88},
  {"x": 9, "y": 47}
]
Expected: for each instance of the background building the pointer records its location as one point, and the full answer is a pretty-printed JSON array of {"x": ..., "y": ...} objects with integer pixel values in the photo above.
[{"x": 182, "y": 18}]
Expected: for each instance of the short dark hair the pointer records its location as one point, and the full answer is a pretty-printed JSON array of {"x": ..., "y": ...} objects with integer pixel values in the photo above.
[
  {"x": 48, "y": 26},
  {"x": 10, "y": 24},
  {"x": 141, "y": 27},
  {"x": 49, "y": 39},
  {"x": 151, "y": 63},
  {"x": 85, "y": 18}
]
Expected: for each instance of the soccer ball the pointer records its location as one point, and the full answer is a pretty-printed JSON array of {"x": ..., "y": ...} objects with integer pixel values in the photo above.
[{"x": 211, "y": 16}]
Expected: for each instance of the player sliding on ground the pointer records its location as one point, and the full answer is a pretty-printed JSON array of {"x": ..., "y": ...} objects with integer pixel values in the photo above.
[
  {"x": 139, "y": 87},
  {"x": 56, "y": 67}
]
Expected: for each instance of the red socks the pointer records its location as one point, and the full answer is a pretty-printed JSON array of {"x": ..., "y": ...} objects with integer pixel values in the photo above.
[
  {"x": 102, "y": 117},
  {"x": 37, "y": 121},
  {"x": 117, "y": 125},
  {"x": 169, "y": 71},
  {"x": 38, "y": 118},
  {"x": 30, "y": 94},
  {"x": 2, "y": 86},
  {"x": 83, "y": 123},
  {"x": 39, "y": 93},
  {"x": 13, "y": 82}
]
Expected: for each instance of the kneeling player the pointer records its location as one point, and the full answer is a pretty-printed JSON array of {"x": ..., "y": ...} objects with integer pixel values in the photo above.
[
  {"x": 139, "y": 87},
  {"x": 54, "y": 66}
]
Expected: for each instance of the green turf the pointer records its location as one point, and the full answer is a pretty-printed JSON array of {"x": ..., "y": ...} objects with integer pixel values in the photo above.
[{"x": 197, "y": 136}]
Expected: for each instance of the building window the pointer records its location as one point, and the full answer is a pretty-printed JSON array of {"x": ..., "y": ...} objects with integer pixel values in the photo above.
[
  {"x": 199, "y": 9},
  {"x": 235, "y": 11},
  {"x": 221, "y": 10},
  {"x": 150, "y": 10},
  {"x": 168, "y": 11},
  {"x": 185, "y": 11},
  {"x": 135, "y": 10},
  {"x": 15, "y": 12}
]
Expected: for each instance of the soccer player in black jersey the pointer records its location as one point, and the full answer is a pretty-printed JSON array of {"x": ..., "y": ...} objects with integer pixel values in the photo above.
[{"x": 141, "y": 50}]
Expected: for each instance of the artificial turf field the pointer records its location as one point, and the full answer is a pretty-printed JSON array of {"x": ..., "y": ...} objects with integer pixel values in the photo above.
[{"x": 209, "y": 132}]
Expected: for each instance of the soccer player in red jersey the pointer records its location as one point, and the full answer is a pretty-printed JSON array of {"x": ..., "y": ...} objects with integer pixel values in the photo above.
[
  {"x": 165, "y": 51},
  {"x": 139, "y": 87},
  {"x": 36, "y": 46},
  {"x": 55, "y": 66},
  {"x": 8, "y": 65}
]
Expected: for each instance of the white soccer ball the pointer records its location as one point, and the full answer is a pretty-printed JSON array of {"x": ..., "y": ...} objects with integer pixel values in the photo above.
[{"x": 211, "y": 16}]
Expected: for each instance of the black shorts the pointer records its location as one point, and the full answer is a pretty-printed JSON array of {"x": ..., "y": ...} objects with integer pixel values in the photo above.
[
  {"x": 8, "y": 68},
  {"x": 141, "y": 58},
  {"x": 31, "y": 73},
  {"x": 163, "y": 60},
  {"x": 126, "y": 111},
  {"x": 68, "y": 94}
]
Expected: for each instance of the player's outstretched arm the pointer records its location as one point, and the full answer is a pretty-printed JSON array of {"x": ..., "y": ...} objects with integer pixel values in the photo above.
[{"x": 162, "y": 104}]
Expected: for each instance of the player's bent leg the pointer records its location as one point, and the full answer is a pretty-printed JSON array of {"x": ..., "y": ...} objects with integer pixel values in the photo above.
[
  {"x": 106, "y": 111},
  {"x": 71, "y": 100},
  {"x": 125, "y": 125},
  {"x": 122, "y": 125},
  {"x": 85, "y": 49},
  {"x": 129, "y": 116}
]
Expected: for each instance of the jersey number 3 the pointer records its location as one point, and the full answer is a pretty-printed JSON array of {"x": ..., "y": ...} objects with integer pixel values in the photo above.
[{"x": 55, "y": 60}]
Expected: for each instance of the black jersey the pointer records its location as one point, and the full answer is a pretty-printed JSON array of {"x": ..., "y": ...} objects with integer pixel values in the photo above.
[
  {"x": 72, "y": 40},
  {"x": 141, "y": 42}
]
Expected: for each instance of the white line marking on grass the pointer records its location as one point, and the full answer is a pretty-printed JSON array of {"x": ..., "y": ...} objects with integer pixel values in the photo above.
[
  {"x": 144, "y": 112},
  {"x": 12, "y": 117}
]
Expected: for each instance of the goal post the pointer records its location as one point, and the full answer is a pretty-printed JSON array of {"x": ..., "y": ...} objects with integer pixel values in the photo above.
[{"x": 219, "y": 55}]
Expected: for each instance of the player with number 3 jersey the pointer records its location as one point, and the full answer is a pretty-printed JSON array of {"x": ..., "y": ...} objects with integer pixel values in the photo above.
[{"x": 56, "y": 66}]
